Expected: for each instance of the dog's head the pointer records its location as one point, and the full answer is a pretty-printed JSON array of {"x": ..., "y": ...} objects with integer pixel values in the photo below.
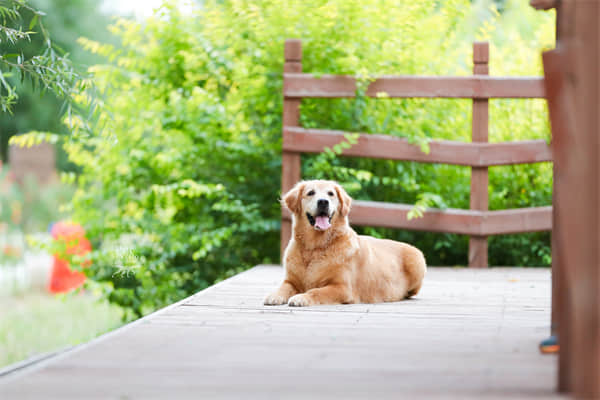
[{"x": 320, "y": 203}]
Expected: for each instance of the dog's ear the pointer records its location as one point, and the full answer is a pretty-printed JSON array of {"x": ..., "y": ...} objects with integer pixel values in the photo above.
[
  {"x": 293, "y": 199},
  {"x": 345, "y": 200}
]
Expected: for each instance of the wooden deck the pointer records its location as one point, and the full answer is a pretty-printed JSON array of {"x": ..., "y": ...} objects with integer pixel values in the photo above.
[{"x": 468, "y": 334}]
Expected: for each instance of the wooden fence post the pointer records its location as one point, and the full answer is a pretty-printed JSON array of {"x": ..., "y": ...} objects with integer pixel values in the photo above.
[
  {"x": 478, "y": 246},
  {"x": 290, "y": 162}
]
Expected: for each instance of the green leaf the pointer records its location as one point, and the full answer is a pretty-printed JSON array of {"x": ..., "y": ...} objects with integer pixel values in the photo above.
[{"x": 33, "y": 22}]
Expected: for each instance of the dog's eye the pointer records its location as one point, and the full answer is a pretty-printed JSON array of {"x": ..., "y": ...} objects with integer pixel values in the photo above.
[
  {"x": 311, "y": 193},
  {"x": 330, "y": 193}
]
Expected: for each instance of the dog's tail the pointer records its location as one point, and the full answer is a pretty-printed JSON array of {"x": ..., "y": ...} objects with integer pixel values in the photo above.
[{"x": 415, "y": 268}]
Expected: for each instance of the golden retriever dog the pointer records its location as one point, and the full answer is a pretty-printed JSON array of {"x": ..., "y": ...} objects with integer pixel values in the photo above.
[{"x": 327, "y": 262}]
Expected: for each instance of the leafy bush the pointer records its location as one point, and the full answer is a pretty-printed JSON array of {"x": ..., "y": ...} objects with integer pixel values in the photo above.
[{"x": 181, "y": 172}]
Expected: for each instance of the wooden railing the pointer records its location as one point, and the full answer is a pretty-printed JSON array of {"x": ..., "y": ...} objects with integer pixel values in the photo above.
[{"x": 478, "y": 222}]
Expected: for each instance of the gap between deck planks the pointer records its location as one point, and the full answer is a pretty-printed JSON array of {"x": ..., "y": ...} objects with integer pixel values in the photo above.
[{"x": 468, "y": 334}]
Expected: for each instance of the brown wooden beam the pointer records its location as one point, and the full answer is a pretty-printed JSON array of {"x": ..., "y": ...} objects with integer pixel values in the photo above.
[
  {"x": 543, "y": 4},
  {"x": 334, "y": 86},
  {"x": 516, "y": 220},
  {"x": 465, "y": 222},
  {"x": 388, "y": 147}
]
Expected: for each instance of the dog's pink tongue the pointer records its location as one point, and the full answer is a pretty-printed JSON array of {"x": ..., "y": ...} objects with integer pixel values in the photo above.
[{"x": 322, "y": 222}]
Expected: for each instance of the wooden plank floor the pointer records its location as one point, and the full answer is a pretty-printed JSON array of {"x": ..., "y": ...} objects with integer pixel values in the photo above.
[{"x": 468, "y": 334}]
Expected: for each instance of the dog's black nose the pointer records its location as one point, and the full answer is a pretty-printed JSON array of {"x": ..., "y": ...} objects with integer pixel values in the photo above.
[{"x": 322, "y": 203}]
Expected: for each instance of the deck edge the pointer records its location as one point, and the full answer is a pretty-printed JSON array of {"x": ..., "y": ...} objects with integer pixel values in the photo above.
[{"x": 32, "y": 364}]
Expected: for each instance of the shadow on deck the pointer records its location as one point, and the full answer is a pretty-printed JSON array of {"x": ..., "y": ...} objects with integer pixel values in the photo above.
[{"x": 468, "y": 334}]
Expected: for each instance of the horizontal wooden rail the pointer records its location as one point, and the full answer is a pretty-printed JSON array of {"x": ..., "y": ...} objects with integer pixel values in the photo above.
[
  {"x": 465, "y": 222},
  {"x": 387, "y": 147},
  {"x": 470, "y": 87}
]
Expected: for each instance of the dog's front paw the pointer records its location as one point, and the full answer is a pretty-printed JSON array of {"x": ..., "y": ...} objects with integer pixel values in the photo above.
[
  {"x": 300, "y": 300},
  {"x": 275, "y": 299}
]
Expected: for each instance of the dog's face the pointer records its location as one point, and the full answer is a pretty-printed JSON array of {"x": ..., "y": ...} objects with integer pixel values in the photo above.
[{"x": 319, "y": 202}]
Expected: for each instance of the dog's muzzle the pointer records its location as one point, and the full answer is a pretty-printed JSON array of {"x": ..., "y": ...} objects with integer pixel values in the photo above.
[{"x": 321, "y": 220}]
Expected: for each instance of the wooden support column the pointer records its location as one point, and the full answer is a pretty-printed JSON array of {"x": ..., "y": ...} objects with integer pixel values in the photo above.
[
  {"x": 581, "y": 247},
  {"x": 478, "y": 246},
  {"x": 290, "y": 162},
  {"x": 577, "y": 194},
  {"x": 560, "y": 108}
]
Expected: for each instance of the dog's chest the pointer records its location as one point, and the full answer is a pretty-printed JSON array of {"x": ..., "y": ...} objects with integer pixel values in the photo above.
[
  {"x": 319, "y": 269},
  {"x": 314, "y": 268}
]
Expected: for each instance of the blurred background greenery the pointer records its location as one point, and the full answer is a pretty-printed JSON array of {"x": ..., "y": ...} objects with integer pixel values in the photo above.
[
  {"x": 66, "y": 20},
  {"x": 174, "y": 167}
]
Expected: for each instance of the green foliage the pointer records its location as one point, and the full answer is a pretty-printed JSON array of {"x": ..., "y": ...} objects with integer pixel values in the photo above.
[
  {"x": 181, "y": 172},
  {"x": 425, "y": 201},
  {"x": 46, "y": 67},
  {"x": 55, "y": 65}
]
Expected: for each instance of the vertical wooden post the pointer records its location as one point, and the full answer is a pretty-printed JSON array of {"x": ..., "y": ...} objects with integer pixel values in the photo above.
[
  {"x": 290, "y": 162},
  {"x": 581, "y": 248},
  {"x": 478, "y": 246},
  {"x": 560, "y": 109},
  {"x": 578, "y": 192}
]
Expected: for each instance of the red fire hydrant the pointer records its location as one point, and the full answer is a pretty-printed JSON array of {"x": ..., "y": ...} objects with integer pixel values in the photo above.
[{"x": 72, "y": 235}]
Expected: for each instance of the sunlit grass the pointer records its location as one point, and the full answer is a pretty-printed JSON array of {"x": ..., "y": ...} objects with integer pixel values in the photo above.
[{"x": 35, "y": 323}]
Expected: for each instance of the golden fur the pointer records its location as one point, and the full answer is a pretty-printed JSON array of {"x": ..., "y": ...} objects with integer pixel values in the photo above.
[{"x": 336, "y": 265}]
